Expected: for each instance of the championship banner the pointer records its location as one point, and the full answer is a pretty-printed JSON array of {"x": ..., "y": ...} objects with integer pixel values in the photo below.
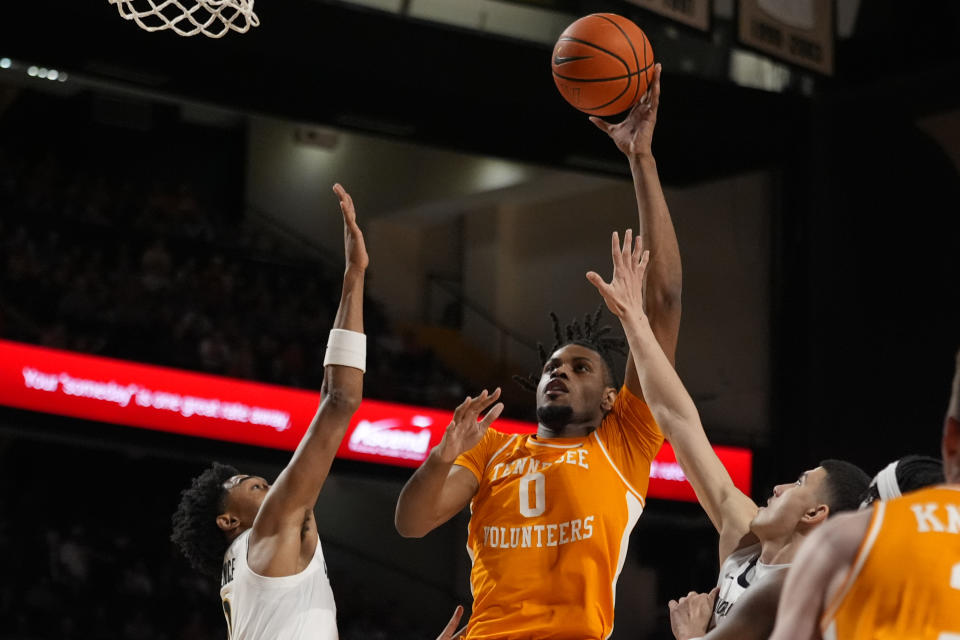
[
  {"x": 800, "y": 32},
  {"x": 196, "y": 404},
  {"x": 693, "y": 13}
]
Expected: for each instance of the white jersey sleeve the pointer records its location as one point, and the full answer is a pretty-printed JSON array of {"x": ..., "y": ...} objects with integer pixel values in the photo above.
[{"x": 288, "y": 608}]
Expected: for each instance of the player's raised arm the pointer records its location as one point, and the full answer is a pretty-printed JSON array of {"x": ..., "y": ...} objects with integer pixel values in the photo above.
[
  {"x": 286, "y": 517},
  {"x": 439, "y": 489},
  {"x": 634, "y": 137},
  {"x": 728, "y": 508}
]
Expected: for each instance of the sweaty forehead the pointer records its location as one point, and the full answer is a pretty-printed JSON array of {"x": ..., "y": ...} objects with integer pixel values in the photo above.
[{"x": 572, "y": 351}]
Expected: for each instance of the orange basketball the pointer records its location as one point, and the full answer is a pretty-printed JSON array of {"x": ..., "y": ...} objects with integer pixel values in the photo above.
[{"x": 602, "y": 64}]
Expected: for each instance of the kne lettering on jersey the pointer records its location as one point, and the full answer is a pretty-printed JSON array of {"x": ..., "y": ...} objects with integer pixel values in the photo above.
[
  {"x": 936, "y": 517},
  {"x": 538, "y": 535},
  {"x": 522, "y": 466}
]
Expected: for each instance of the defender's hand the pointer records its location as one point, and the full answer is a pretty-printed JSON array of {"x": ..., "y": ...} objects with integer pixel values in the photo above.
[
  {"x": 354, "y": 248},
  {"x": 634, "y": 136},
  {"x": 690, "y": 615},
  {"x": 624, "y": 293},
  {"x": 464, "y": 432}
]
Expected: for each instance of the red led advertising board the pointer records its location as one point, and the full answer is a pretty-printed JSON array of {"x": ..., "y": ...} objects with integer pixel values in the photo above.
[{"x": 195, "y": 404}]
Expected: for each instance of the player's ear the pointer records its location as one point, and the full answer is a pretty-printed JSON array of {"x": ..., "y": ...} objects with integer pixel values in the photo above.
[
  {"x": 609, "y": 396},
  {"x": 816, "y": 515},
  {"x": 227, "y": 522}
]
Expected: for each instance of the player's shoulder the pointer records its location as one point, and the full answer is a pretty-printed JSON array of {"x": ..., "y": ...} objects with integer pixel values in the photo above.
[
  {"x": 494, "y": 436},
  {"x": 627, "y": 397},
  {"x": 931, "y": 507},
  {"x": 629, "y": 407},
  {"x": 495, "y": 443},
  {"x": 938, "y": 492}
]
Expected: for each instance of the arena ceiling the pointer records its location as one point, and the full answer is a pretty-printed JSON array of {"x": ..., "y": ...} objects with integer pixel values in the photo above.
[{"x": 339, "y": 64}]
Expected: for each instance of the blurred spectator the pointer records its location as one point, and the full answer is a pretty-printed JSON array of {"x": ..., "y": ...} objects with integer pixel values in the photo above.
[{"x": 113, "y": 266}]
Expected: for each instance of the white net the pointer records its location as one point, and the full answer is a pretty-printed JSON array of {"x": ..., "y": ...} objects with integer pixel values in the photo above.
[{"x": 213, "y": 18}]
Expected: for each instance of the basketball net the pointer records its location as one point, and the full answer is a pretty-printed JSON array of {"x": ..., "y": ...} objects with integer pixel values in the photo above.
[{"x": 213, "y": 18}]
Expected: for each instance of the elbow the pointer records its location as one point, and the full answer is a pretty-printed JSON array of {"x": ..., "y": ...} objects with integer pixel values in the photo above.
[
  {"x": 409, "y": 533},
  {"x": 340, "y": 400},
  {"x": 407, "y": 529},
  {"x": 666, "y": 297}
]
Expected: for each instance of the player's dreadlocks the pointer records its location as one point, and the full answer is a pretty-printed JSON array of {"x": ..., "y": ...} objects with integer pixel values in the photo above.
[
  {"x": 589, "y": 334},
  {"x": 195, "y": 528}
]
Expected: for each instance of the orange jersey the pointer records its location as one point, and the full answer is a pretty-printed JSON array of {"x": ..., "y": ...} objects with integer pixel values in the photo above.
[
  {"x": 905, "y": 580},
  {"x": 550, "y": 523}
]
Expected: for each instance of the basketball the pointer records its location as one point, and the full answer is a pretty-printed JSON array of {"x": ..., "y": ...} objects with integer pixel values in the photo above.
[{"x": 602, "y": 64}]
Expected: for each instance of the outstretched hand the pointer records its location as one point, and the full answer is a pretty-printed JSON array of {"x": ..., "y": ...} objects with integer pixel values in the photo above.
[
  {"x": 449, "y": 632},
  {"x": 624, "y": 293},
  {"x": 464, "y": 431},
  {"x": 354, "y": 248},
  {"x": 634, "y": 136}
]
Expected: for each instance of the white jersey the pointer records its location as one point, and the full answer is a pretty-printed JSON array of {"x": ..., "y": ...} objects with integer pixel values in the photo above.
[
  {"x": 741, "y": 569},
  {"x": 287, "y": 608}
]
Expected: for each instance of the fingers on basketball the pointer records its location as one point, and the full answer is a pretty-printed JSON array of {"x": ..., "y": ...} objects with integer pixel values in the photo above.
[{"x": 655, "y": 89}]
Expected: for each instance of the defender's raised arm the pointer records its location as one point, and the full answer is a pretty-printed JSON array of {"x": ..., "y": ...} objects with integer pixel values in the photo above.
[
  {"x": 285, "y": 517},
  {"x": 728, "y": 508}
]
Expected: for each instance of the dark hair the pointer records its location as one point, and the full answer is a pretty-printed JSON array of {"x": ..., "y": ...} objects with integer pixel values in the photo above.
[
  {"x": 195, "y": 528},
  {"x": 913, "y": 472},
  {"x": 845, "y": 484},
  {"x": 589, "y": 335}
]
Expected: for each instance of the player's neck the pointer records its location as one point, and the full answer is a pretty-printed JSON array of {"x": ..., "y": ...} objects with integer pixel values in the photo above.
[
  {"x": 780, "y": 550},
  {"x": 233, "y": 534},
  {"x": 572, "y": 430}
]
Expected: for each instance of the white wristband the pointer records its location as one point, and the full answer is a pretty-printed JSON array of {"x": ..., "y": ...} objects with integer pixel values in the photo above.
[{"x": 346, "y": 348}]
